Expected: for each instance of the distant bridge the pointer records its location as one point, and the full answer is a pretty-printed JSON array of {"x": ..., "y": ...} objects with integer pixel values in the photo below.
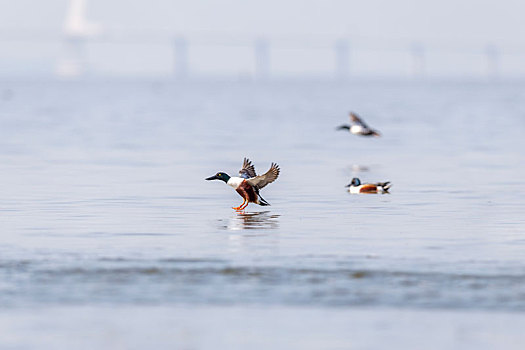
[
  {"x": 267, "y": 57},
  {"x": 339, "y": 58}
]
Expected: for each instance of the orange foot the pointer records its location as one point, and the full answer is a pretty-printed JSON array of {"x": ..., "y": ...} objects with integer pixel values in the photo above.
[{"x": 240, "y": 207}]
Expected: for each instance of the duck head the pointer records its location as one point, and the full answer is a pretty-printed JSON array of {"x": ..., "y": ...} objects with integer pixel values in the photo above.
[
  {"x": 219, "y": 176},
  {"x": 355, "y": 182}
]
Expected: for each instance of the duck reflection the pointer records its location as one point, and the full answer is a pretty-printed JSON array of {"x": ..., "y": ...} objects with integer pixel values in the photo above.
[
  {"x": 253, "y": 220},
  {"x": 356, "y": 168}
]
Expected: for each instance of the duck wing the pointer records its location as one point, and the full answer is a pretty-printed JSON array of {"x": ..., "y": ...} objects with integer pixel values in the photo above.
[
  {"x": 248, "y": 170},
  {"x": 357, "y": 120},
  {"x": 262, "y": 180}
]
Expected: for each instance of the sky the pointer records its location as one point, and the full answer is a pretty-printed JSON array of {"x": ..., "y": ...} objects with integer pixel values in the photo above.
[{"x": 378, "y": 30}]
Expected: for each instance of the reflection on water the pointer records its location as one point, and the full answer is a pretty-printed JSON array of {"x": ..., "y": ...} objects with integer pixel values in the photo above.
[
  {"x": 253, "y": 220},
  {"x": 356, "y": 168}
]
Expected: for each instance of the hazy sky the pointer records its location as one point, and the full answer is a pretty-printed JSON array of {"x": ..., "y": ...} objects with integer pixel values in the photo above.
[{"x": 444, "y": 23}]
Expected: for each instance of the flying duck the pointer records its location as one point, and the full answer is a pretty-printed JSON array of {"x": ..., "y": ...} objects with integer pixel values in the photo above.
[
  {"x": 248, "y": 184},
  {"x": 358, "y": 127},
  {"x": 357, "y": 187}
]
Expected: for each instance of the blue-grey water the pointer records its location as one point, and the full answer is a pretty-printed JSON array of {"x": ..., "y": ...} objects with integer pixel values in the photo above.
[{"x": 105, "y": 214}]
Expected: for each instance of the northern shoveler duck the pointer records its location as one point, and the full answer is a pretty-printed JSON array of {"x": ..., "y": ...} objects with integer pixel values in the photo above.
[
  {"x": 358, "y": 127},
  {"x": 248, "y": 184},
  {"x": 357, "y": 187}
]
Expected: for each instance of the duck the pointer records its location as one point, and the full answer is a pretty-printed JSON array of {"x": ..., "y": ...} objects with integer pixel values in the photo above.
[
  {"x": 358, "y": 127},
  {"x": 248, "y": 184},
  {"x": 356, "y": 186}
]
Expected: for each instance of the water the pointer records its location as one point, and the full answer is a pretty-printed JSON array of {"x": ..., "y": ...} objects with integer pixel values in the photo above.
[{"x": 105, "y": 208}]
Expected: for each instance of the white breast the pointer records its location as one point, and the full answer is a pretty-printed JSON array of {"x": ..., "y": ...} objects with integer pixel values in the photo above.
[
  {"x": 235, "y": 181},
  {"x": 354, "y": 189},
  {"x": 356, "y": 129}
]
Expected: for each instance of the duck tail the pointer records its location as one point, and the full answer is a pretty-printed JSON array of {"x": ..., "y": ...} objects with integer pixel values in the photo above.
[
  {"x": 262, "y": 201},
  {"x": 385, "y": 186}
]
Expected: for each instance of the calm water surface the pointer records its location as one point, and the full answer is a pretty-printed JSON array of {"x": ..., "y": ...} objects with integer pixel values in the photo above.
[{"x": 104, "y": 200}]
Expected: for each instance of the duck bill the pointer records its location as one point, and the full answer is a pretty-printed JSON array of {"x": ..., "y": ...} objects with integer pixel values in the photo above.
[
  {"x": 214, "y": 177},
  {"x": 348, "y": 185}
]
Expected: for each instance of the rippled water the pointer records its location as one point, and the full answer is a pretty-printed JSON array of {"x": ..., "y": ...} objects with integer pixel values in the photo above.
[{"x": 104, "y": 200}]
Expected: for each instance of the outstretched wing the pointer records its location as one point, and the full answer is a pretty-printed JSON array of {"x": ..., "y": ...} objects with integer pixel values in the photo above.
[
  {"x": 248, "y": 170},
  {"x": 355, "y": 119},
  {"x": 262, "y": 180}
]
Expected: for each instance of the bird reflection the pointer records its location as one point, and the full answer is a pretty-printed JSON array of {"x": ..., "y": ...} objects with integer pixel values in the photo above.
[
  {"x": 253, "y": 220},
  {"x": 356, "y": 168}
]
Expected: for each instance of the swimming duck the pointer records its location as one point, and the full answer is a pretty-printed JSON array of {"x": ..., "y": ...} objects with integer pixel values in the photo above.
[
  {"x": 357, "y": 187},
  {"x": 248, "y": 184},
  {"x": 358, "y": 127}
]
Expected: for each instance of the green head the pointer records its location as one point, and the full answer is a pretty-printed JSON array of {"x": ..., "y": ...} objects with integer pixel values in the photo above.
[
  {"x": 355, "y": 182},
  {"x": 220, "y": 176}
]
